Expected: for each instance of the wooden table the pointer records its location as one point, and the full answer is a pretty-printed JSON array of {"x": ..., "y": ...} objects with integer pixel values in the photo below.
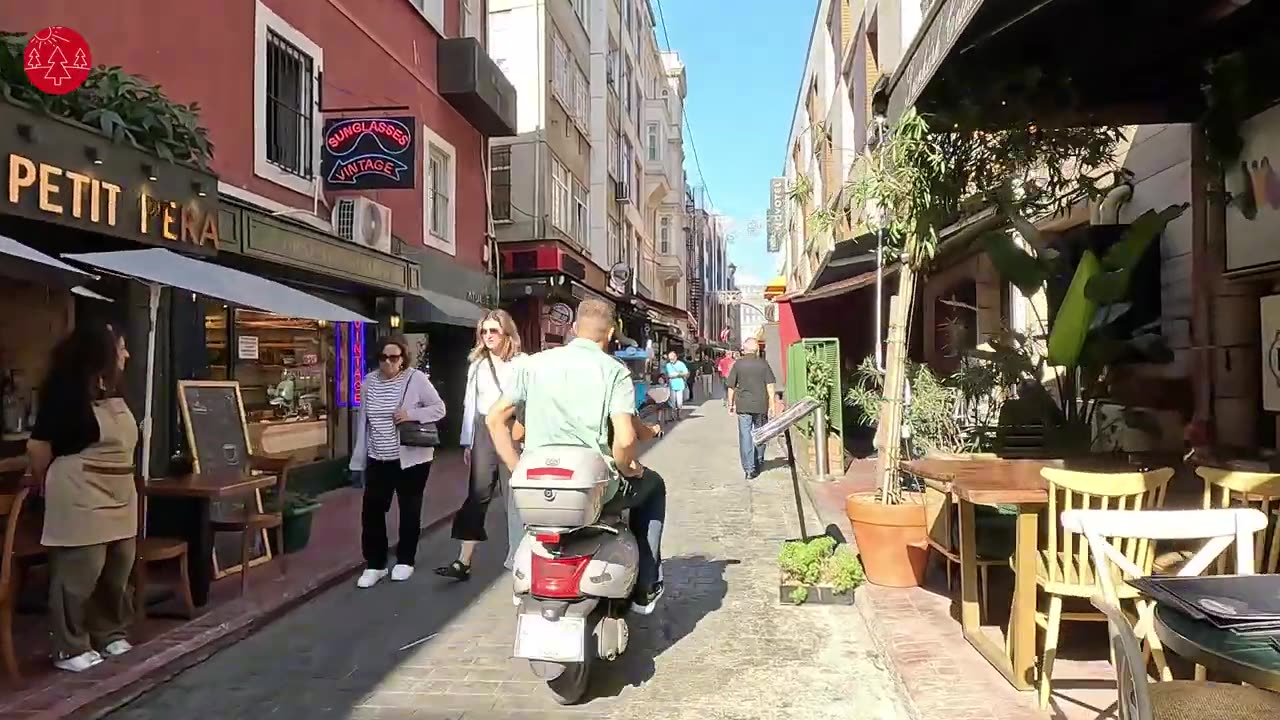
[
  {"x": 997, "y": 482},
  {"x": 187, "y": 514},
  {"x": 1249, "y": 659}
]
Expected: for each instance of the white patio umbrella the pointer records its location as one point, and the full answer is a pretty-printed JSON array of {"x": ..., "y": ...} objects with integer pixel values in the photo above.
[{"x": 158, "y": 267}]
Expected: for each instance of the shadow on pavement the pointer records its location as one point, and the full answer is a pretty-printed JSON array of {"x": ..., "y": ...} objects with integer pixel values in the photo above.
[{"x": 696, "y": 588}]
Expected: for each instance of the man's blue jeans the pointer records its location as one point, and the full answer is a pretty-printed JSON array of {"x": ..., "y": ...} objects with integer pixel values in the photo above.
[
  {"x": 646, "y": 498},
  {"x": 752, "y": 455}
]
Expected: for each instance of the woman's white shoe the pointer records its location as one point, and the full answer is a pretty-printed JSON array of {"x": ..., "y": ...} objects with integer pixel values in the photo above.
[
  {"x": 79, "y": 663},
  {"x": 369, "y": 578}
]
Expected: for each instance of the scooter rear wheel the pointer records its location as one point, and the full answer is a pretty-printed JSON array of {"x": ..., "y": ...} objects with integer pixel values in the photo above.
[{"x": 571, "y": 686}]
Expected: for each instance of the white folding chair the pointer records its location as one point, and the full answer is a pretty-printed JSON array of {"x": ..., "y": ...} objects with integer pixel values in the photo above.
[{"x": 1218, "y": 528}]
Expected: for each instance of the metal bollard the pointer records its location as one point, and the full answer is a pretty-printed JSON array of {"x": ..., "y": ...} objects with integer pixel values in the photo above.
[{"x": 823, "y": 467}]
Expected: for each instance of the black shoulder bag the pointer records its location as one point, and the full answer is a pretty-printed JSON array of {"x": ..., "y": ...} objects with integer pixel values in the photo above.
[{"x": 414, "y": 433}]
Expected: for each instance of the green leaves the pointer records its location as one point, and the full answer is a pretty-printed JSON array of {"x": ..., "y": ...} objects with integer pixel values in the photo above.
[
  {"x": 1112, "y": 285},
  {"x": 123, "y": 107},
  {"x": 1075, "y": 315},
  {"x": 1014, "y": 264}
]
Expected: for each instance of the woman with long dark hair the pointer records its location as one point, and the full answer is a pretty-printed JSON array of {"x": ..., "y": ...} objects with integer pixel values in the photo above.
[
  {"x": 393, "y": 394},
  {"x": 81, "y": 452},
  {"x": 494, "y": 363}
]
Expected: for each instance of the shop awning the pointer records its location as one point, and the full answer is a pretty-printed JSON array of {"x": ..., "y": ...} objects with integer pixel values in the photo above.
[
  {"x": 437, "y": 307},
  {"x": 20, "y": 262},
  {"x": 159, "y": 266}
]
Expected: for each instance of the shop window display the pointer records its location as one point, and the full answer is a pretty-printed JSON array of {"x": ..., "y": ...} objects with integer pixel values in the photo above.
[{"x": 282, "y": 365}]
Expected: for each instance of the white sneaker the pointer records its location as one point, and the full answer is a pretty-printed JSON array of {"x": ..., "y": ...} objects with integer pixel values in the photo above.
[
  {"x": 79, "y": 663},
  {"x": 369, "y": 578},
  {"x": 116, "y": 648},
  {"x": 400, "y": 573}
]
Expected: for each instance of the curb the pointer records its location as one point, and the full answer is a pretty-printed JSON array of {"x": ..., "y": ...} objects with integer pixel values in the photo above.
[
  {"x": 110, "y": 695},
  {"x": 866, "y": 608}
]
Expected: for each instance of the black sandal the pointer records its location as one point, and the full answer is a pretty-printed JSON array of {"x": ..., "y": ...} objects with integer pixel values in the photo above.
[{"x": 456, "y": 570}]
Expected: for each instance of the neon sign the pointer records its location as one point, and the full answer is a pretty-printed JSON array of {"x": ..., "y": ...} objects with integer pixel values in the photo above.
[
  {"x": 368, "y": 153},
  {"x": 348, "y": 343}
]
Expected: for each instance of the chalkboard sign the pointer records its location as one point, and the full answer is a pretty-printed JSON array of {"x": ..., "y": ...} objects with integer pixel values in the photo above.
[{"x": 217, "y": 435}]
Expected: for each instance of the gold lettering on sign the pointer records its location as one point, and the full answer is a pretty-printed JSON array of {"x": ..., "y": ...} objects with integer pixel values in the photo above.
[
  {"x": 112, "y": 192},
  {"x": 189, "y": 225},
  {"x": 78, "y": 184},
  {"x": 48, "y": 189},
  {"x": 95, "y": 205},
  {"x": 166, "y": 227},
  {"x": 22, "y": 174},
  {"x": 209, "y": 235},
  {"x": 144, "y": 213}
]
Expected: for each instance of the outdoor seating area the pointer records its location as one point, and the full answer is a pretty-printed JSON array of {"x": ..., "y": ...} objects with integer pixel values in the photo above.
[{"x": 1052, "y": 551}]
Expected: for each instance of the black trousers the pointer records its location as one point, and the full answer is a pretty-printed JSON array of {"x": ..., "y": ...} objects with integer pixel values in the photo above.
[
  {"x": 382, "y": 480},
  {"x": 488, "y": 474}
]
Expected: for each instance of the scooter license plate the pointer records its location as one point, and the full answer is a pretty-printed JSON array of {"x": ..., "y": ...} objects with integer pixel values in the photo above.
[{"x": 538, "y": 638}]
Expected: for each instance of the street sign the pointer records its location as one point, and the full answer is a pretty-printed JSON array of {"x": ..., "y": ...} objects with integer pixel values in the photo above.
[
  {"x": 777, "y": 214},
  {"x": 729, "y": 297}
]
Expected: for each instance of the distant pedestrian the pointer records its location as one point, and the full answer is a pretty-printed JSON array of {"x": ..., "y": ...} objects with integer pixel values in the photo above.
[
  {"x": 677, "y": 378},
  {"x": 751, "y": 397},
  {"x": 723, "y": 367}
]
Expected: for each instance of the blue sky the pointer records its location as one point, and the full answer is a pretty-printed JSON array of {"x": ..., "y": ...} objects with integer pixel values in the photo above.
[{"x": 743, "y": 59}]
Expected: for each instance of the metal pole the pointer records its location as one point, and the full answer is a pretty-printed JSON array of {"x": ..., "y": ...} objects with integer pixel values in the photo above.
[
  {"x": 795, "y": 485},
  {"x": 822, "y": 466}
]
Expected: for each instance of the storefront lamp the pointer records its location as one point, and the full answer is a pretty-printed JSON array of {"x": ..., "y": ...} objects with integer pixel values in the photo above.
[
  {"x": 394, "y": 321},
  {"x": 198, "y": 188},
  {"x": 150, "y": 171},
  {"x": 27, "y": 132},
  {"x": 92, "y": 153}
]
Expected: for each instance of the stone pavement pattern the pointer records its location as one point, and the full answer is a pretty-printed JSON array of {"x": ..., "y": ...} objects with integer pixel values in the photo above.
[{"x": 720, "y": 647}]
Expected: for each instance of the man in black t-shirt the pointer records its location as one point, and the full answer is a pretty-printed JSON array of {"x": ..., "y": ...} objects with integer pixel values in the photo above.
[{"x": 751, "y": 397}]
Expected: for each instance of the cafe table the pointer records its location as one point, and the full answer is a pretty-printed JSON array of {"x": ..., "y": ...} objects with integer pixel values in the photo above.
[
  {"x": 186, "y": 512},
  {"x": 1251, "y": 659},
  {"x": 1008, "y": 482}
]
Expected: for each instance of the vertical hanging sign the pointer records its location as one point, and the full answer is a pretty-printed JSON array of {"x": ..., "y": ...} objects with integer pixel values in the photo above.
[
  {"x": 357, "y": 361},
  {"x": 777, "y": 215}
]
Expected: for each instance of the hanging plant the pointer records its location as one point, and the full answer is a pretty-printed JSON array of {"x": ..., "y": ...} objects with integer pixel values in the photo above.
[
  {"x": 801, "y": 190},
  {"x": 123, "y": 107}
]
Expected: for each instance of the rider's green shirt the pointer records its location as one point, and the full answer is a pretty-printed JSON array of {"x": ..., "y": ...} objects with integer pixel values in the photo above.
[{"x": 568, "y": 394}]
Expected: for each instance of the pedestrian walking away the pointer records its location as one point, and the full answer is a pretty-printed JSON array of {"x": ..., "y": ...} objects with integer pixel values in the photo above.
[
  {"x": 494, "y": 364},
  {"x": 723, "y": 367},
  {"x": 750, "y": 396},
  {"x": 677, "y": 378},
  {"x": 81, "y": 451},
  {"x": 393, "y": 394}
]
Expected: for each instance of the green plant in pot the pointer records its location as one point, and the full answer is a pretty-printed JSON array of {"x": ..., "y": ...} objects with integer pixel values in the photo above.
[
  {"x": 818, "y": 569},
  {"x": 298, "y": 511},
  {"x": 915, "y": 184}
]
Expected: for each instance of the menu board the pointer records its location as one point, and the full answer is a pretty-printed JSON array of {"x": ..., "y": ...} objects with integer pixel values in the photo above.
[{"x": 213, "y": 415}]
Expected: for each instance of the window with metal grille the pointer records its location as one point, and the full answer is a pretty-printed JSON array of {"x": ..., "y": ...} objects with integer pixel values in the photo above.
[
  {"x": 500, "y": 162},
  {"x": 290, "y": 107},
  {"x": 438, "y": 179}
]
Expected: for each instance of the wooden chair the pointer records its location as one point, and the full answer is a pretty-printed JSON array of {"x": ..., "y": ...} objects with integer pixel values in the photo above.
[
  {"x": 11, "y": 511},
  {"x": 154, "y": 550},
  {"x": 942, "y": 518},
  {"x": 1173, "y": 699},
  {"x": 1229, "y": 488},
  {"x": 1063, "y": 569},
  {"x": 254, "y": 522}
]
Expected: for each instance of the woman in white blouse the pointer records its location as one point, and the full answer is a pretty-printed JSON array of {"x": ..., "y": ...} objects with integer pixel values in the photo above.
[{"x": 494, "y": 362}]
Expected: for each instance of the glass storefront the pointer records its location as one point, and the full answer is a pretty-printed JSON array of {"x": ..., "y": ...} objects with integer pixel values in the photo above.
[{"x": 285, "y": 370}]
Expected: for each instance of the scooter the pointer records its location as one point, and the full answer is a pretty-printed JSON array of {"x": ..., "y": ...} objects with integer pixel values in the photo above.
[{"x": 574, "y": 571}]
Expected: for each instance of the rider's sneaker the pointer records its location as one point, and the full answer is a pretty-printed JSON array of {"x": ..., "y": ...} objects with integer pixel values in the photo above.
[{"x": 644, "y": 603}]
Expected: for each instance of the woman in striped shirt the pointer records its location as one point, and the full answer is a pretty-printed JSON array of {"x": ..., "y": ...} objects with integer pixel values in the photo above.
[{"x": 390, "y": 395}]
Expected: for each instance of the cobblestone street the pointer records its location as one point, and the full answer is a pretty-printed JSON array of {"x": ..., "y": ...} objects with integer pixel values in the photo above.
[{"x": 719, "y": 647}]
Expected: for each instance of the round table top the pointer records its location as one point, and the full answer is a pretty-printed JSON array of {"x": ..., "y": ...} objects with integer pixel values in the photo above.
[{"x": 1252, "y": 659}]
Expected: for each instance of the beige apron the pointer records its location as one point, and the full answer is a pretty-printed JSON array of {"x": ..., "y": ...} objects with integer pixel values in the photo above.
[{"x": 90, "y": 497}]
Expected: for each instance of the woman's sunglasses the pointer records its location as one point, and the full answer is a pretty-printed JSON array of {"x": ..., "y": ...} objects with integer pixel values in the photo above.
[
  {"x": 390, "y": 358},
  {"x": 490, "y": 331}
]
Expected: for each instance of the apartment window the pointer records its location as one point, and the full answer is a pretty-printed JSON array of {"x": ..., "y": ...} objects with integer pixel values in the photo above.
[
  {"x": 626, "y": 162},
  {"x": 615, "y": 146},
  {"x": 560, "y": 86},
  {"x": 433, "y": 11},
  {"x": 611, "y": 65},
  {"x": 664, "y": 235},
  {"x": 627, "y": 71},
  {"x": 287, "y": 74},
  {"x": 470, "y": 19},
  {"x": 561, "y": 197},
  {"x": 655, "y": 151},
  {"x": 439, "y": 187},
  {"x": 615, "y": 241},
  {"x": 581, "y": 97},
  {"x": 626, "y": 14},
  {"x": 500, "y": 172},
  {"x": 580, "y": 223},
  {"x": 582, "y": 8}
]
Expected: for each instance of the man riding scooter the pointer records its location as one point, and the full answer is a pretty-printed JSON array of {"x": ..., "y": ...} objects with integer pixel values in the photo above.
[{"x": 575, "y": 395}]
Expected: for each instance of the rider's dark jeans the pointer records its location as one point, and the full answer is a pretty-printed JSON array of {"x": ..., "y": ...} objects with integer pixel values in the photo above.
[{"x": 646, "y": 497}]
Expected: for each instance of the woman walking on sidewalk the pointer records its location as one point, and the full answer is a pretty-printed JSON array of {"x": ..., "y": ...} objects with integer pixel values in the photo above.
[
  {"x": 395, "y": 393},
  {"x": 494, "y": 363}
]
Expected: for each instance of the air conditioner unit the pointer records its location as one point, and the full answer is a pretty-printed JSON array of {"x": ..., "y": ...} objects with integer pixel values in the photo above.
[
  {"x": 621, "y": 191},
  {"x": 363, "y": 222}
]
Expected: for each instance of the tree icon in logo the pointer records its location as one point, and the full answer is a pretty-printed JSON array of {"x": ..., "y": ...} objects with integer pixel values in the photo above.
[{"x": 46, "y": 64}]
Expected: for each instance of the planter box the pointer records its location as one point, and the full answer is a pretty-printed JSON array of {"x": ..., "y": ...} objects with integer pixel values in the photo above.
[
  {"x": 297, "y": 530},
  {"x": 818, "y": 595}
]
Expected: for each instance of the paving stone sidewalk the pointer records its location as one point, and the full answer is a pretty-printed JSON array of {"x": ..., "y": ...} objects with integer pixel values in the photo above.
[{"x": 719, "y": 648}]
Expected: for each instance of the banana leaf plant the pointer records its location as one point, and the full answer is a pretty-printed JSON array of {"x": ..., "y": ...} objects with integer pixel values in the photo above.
[{"x": 1086, "y": 336}]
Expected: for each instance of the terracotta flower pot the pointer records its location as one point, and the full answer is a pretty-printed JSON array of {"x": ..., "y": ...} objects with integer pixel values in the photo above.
[{"x": 892, "y": 539}]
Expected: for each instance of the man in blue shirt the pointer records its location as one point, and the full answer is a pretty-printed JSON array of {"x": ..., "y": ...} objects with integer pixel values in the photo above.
[{"x": 677, "y": 377}]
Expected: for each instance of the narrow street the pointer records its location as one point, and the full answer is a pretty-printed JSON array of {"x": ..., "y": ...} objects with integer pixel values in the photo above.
[{"x": 719, "y": 647}]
